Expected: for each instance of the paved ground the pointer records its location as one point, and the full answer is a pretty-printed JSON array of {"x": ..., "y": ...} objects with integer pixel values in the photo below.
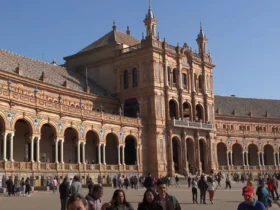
[{"x": 224, "y": 199}]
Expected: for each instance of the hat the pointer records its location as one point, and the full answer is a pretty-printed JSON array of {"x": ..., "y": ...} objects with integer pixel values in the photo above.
[{"x": 247, "y": 190}]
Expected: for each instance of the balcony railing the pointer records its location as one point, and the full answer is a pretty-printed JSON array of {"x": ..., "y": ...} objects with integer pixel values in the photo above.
[
  {"x": 130, "y": 49},
  {"x": 194, "y": 125}
]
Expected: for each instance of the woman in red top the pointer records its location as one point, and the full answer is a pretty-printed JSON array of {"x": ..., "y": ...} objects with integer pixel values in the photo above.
[{"x": 270, "y": 186}]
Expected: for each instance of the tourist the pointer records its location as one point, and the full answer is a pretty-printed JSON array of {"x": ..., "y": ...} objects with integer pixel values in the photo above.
[
  {"x": 149, "y": 181},
  {"x": 270, "y": 186},
  {"x": 64, "y": 193},
  {"x": 118, "y": 202},
  {"x": 177, "y": 181},
  {"x": 76, "y": 186},
  {"x": 54, "y": 185},
  {"x": 149, "y": 202},
  {"x": 166, "y": 201},
  {"x": 89, "y": 184},
  {"x": 22, "y": 186},
  {"x": 76, "y": 202},
  {"x": 27, "y": 187},
  {"x": 9, "y": 184},
  {"x": 249, "y": 202},
  {"x": 228, "y": 184},
  {"x": 275, "y": 186},
  {"x": 263, "y": 194},
  {"x": 202, "y": 185},
  {"x": 211, "y": 189},
  {"x": 194, "y": 190},
  {"x": 94, "y": 198},
  {"x": 126, "y": 182},
  {"x": 189, "y": 181},
  {"x": 250, "y": 181}
]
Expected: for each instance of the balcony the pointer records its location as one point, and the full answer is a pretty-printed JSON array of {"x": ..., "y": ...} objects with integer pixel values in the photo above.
[{"x": 193, "y": 125}]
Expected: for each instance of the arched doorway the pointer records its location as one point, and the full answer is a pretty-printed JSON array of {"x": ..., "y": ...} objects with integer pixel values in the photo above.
[
  {"x": 203, "y": 155},
  {"x": 111, "y": 150},
  {"x": 130, "y": 151},
  {"x": 199, "y": 112},
  {"x": 70, "y": 146},
  {"x": 253, "y": 158},
  {"x": 237, "y": 155},
  {"x": 187, "y": 112},
  {"x": 2, "y": 130},
  {"x": 22, "y": 141},
  {"x": 268, "y": 155},
  {"x": 92, "y": 141},
  {"x": 131, "y": 107},
  {"x": 222, "y": 154},
  {"x": 47, "y": 144},
  {"x": 176, "y": 153},
  {"x": 190, "y": 155},
  {"x": 172, "y": 109}
]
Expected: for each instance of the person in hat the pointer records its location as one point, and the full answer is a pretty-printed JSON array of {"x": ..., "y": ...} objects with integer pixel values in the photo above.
[{"x": 250, "y": 203}]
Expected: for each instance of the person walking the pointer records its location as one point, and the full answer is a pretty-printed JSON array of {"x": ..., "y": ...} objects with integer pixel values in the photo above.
[
  {"x": 94, "y": 198},
  {"x": 27, "y": 187},
  {"x": 149, "y": 201},
  {"x": 76, "y": 186},
  {"x": 22, "y": 186},
  {"x": 194, "y": 190},
  {"x": 118, "y": 202},
  {"x": 89, "y": 184},
  {"x": 249, "y": 201},
  {"x": 228, "y": 184},
  {"x": 54, "y": 185},
  {"x": 9, "y": 185},
  {"x": 211, "y": 189},
  {"x": 64, "y": 193},
  {"x": 202, "y": 185},
  {"x": 189, "y": 181},
  {"x": 76, "y": 202},
  {"x": 149, "y": 181},
  {"x": 263, "y": 194},
  {"x": 177, "y": 181}
]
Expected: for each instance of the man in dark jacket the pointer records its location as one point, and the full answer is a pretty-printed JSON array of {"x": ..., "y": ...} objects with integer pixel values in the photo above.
[
  {"x": 149, "y": 181},
  {"x": 9, "y": 184},
  {"x": 64, "y": 193},
  {"x": 202, "y": 185},
  {"x": 167, "y": 202}
]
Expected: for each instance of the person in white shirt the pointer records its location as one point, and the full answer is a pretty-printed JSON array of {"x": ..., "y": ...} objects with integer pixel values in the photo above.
[
  {"x": 54, "y": 185},
  {"x": 211, "y": 189}
]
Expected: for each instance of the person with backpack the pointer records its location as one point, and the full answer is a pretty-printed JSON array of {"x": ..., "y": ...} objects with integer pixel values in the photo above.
[
  {"x": 263, "y": 194},
  {"x": 64, "y": 193},
  {"x": 94, "y": 198}
]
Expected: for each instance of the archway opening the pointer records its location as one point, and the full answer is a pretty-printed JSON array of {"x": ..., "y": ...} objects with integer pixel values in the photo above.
[
  {"x": 253, "y": 158},
  {"x": 237, "y": 155},
  {"x": 70, "y": 146},
  {"x": 175, "y": 152},
  {"x": 268, "y": 155},
  {"x": 92, "y": 147},
  {"x": 186, "y": 111},
  {"x": 222, "y": 154},
  {"x": 190, "y": 156},
  {"x": 47, "y": 144},
  {"x": 22, "y": 141},
  {"x": 172, "y": 109},
  {"x": 2, "y": 129},
  {"x": 111, "y": 149},
  {"x": 131, "y": 107},
  {"x": 203, "y": 155},
  {"x": 199, "y": 113},
  {"x": 130, "y": 151}
]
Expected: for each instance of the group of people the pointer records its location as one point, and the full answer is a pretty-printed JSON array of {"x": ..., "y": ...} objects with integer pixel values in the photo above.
[{"x": 18, "y": 188}]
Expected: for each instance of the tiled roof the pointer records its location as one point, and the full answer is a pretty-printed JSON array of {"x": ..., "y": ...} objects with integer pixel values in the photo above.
[
  {"x": 243, "y": 106},
  {"x": 113, "y": 36},
  {"x": 55, "y": 75}
]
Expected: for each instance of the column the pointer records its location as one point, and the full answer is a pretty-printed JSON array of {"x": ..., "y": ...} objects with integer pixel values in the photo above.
[
  {"x": 104, "y": 156},
  {"x": 12, "y": 147},
  {"x": 278, "y": 159},
  {"x": 259, "y": 158},
  {"x": 38, "y": 150},
  {"x": 231, "y": 158},
  {"x": 119, "y": 155},
  {"x": 32, "y": 149},
  {"x": 84, "y": 152},
  {"x": 247, "y": 158},
  {"x": 5, "y": 146},
  {"x": 263, "y": 159},
  {"x": 99, "y": 153},
  {"x": 123, "y": 155},
  {"x": 56, "y": 150},
  {"x": 274, "y": 155},
  {"x": 227, "y": 158},
  {"x": 61, "y": 150},
  {"x": 243, "y": 158},
  {"x": 137, "y": 155},
  {"x": 79, "y": 152}
]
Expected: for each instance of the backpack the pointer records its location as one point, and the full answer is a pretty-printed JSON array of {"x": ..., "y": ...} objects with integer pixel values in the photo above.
[{"x": 174, "y": 201}]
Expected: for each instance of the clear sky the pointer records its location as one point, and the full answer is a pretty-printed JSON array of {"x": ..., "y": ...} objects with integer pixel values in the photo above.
[{"x": 243, "y": 34}]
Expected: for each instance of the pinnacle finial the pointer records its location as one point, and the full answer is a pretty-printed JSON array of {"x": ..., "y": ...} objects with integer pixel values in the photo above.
[
  {"x": 128, "y": 30},
  {"x": 149, "y": 4},
  {"x": 114, "y": 25},
  {"x": 201, "y": 26}
]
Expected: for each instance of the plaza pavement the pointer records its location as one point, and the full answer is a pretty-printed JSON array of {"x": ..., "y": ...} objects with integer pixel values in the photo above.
[{"x": 224, "y": 199}]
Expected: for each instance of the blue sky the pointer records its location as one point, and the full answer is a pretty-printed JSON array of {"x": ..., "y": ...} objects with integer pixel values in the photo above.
[{"x": 243, "y": 34}]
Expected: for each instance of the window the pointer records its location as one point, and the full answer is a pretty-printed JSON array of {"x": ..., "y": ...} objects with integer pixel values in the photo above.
[
  {"x": 134, "y": 78},
  {"x": 231, "y": 127},
  {"x": 125, "y": 79},
  {"x": 184, "y": 78},
  {"x": 174, "y": 77}
]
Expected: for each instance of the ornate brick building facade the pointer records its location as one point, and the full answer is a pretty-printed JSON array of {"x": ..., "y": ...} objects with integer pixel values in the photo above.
[{"x": 121, "y": 105}]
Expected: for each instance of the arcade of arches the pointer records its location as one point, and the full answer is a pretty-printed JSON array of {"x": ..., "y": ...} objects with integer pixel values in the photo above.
[
  {"x": 253, "y": 156},
  {"x": 23, "y": 146}
]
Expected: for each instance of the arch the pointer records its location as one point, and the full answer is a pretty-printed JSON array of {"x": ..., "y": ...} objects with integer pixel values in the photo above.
[
  {"x": 51, "y": 123},
  {"x": 187, "y": 111},
  {"x": 134, "y": 77},
  {"x": 174, "y": 76},
  {"x": 203, "y": 155},
  {"x": 253, "y": 157},
  {"x": 95, "y": 130},
  {"x": 190, "y": 151},
  {"x": 47, "y": 144},
  {"x": 130, "y": 150},
  {"x": 28, "y": 120},
  {"x": 237, "y": 154},
  {"x": 131, "y": 107},
  {"x": 222, "y": 154},
  {"x": 71, "y": 138},
  {"x": 125, "y": 79},
  {"x": 22, "y": 141},
  {"x": 173, "y": 109},
  {"x": 268, "y": 155},
  {"x": 92, "y": 141},
  {"x": 3, "y": 127},
  {"x": 4, "y": 121},
  {"x": 176, "y": 153},
  {"x": 111, "y": 149},
  {"x": 66, "y": 126},
  {"x": 199, "y": 112}
]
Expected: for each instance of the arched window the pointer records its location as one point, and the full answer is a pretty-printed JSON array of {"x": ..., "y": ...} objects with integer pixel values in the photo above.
[
  {"x": 168, "y": 75},
  {"x": 125, "y": 79},
  {"x": 134, "y": 78},
  {"x": 174, "y": 78},
  {"x": 200, "y": 83}
]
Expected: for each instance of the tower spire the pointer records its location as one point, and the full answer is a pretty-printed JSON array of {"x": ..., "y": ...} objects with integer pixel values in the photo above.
[
  {"x": 150, "y": 22},
  {"x": 201, "y": 40}
]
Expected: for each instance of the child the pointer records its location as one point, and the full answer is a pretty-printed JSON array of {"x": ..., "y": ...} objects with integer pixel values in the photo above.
[{"x": 77, "y": 202}]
